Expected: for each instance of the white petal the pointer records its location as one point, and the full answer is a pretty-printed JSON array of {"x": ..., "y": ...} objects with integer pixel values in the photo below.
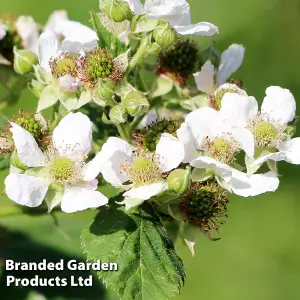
[
  {"x": 80, "y": 198},
  {"x": 68, "y": 83},
  {"x": 200, "y": 121},
  {"x": 136, "y": 6},
  {"x": 185, "y": 136},
  {"x": 3, "y": 29},
  {"x": 175, "y": 12},
  {"x": 149, "y": 118},
  {"x": 147, "y": 191},
  {"x": 237, "y": 109},
  {"x": 277, "y": 156},
  {"x": 108, "y": 161},
  {"x": 204, "y": 162},
  {"x": 54, "y": 20},
  {"x": 279, "y": 104},
  {"x": 26, "y": 190},
  {"x": 231, "y": 60},
  {"x": 253, "y": 185},
  {"x": 48, "y": 47},
  {"x": 291, "y": 149},
  {"x": 27, "y": 148},
  {"x": 245, "y": 138},
  {"x": 28, "y": 31},
  {"x": 201, "y": 28},
  {"x": 77, "y": 36},
  {"x": 74, "y": 132},
  {"x": 205, "y": 78},
  {"x": 131, "y": 202},
  {"x": 170, "y": 152}
]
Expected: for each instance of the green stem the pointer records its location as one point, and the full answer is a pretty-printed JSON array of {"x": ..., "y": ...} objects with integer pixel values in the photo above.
[
  {"x": 137, "y": 59},
  {"x": 124, "y": 134}
]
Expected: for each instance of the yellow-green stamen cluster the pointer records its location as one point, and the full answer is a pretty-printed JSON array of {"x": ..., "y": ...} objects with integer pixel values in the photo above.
[
  {"x": 267, "y": 134},
  {"x": 29, "y": 123},
  {"x": 95, "y": 65},
  {"x": 154, "y": 131},
  {"x": 63, "y": 65},
  {"x": 143, "y": 170},
  {"x": 180, "y": 59},
  {"x": 204, "y": 204},
  {"x": 62, "y": 168},
  {"x": 222, "y": 148}
]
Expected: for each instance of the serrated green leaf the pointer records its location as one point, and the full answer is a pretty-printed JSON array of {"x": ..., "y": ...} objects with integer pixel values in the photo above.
[{"x": 148, "y": 266}]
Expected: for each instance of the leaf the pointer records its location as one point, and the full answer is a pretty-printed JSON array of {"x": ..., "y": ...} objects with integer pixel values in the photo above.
[
  {"x": 148, "y": 266},
  {"x": 105, "y": 38}
]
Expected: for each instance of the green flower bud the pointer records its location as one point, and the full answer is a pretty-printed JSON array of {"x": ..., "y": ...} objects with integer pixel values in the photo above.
[
  {"x": 118, "y": 10},
  {"x": 179, "y": 180},
  {"x": 118, "y": 114},
  {"x": 16, "y": 162},
  {"x": 104, "y": 90},
  {"x": 135, "y": 103},
  {"x": 164, "y": 35},
  {"x": 24, "y": 61}
]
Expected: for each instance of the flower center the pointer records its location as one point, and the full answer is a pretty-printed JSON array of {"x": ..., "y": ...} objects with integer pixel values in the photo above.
[
  {"x": 143, "y": 170},
  {"x": 29, "y": 123},
  {"x": 97, "y": 64},
  {"x": 64, "y": 65},
  {"x": 62, "y": 168},
  {"x": 222, "y": 149},
  {"x": 203, "y": 204},
  {"x": 265, "y": 133}
]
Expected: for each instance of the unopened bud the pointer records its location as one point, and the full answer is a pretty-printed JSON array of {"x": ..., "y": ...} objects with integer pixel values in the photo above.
[
  {"x": 164, "y": 35},
  {"x": 24, "y": 60},
  {"x": 135, "y": 103},
  {"x": 118, "y": 114},
  {"x": 104, "y": 90},
  {"x": 179, "y": 180},
  {"x": 118, "y": 10}
]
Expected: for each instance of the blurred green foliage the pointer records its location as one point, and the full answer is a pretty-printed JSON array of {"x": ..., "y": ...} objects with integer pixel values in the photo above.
[{"x": 258, "y": 255}]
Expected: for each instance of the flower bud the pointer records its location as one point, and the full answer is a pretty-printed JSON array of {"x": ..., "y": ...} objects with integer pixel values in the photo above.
[
  {"x": 179, "y": 180},
  {"x": 104, "y": 90},
  {"x": 135, "y": 103},
  {"x": 118, "y": 10},
  {"x": 16, "y": 162},
  {"x": 24, "y": 61},
  {"x": 118, "y": 114},
  {"x": 164, "y": 35}
]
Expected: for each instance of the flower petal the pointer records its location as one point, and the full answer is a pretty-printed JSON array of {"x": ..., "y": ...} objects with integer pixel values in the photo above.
[
  {"x": 245, "y": 138},
  {"x": 131, "y": 202},
  {"x": 73, "y": 133},
  {"x": 48, "y": 47},
  {"x": 185, "y": 136},
  {"x": 77, "y": 36},
  {"x": 26, "y": 190},
  {"x": 237, "y": 109},
  {"x": 54, "y": 20},
  {"x": 175, "y": 12},
  {"x": 277, "y": 156},
  {"x": 28, "y": 31},
  {"x": 169, "y": 160},
  {"x": 279, "y": 104},
  {"x": 231, "y": 60},
  {"x": 136, "y": 6},
  {"x": 80, "y": 198},
  {"x": 200, "y": 121},
  {"x": 27, "y": 148},
  {"x": 149, "y": 118},
  {"x": 204, "y": 162},
  {"x": 201, "y": 28},
  {"x": 108, "y": 161},
  {"x": 205, "y": 78},
  {"x": 291, "y": 149},
  {"x": 147, "y": 191},
  {"x": 253, "y": 185}
]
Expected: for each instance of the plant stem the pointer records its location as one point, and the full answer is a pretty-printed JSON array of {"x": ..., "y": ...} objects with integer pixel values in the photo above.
[{"x": 124, "y": 134}]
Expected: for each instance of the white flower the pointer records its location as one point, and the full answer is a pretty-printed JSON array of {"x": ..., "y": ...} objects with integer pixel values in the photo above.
[
  {"x": 268, "y": 127},
  {"x": 136, "y": 170},
  {"x": 3, "y": 29},
  {"x": 231, "y": 60},
  {"x": 60, "y": 174},
  {"x": 55, "y": 19},
  {"x": 176, "y": 12}
]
